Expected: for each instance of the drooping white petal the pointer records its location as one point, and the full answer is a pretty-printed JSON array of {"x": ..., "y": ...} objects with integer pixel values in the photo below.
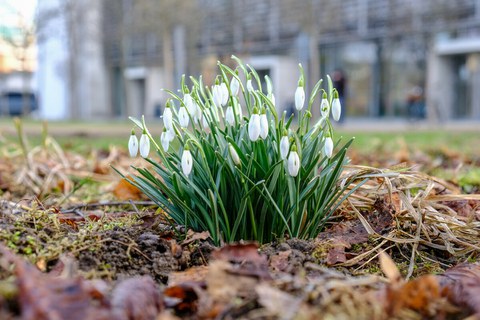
[
  {"x": 198, "y": 113},
  {"x": 183, "y": 118},
  {"x": 299, "y": 98},
  {"x": 144, "y": 145},
  {"x": 263, "y": 126},
  {"x": 165, "y": 140},
  {"x": 229, "y": 116},
  {"x": 324, "y": 108},
  {"x": 224, "y": 91},
  {"x": 234, "y": 86},
  {"x": 254, "y": 127},
  {"x": 234, "y": 155},
  {"x": 170, "y": 135},
  {"x": 328, "y": 147},
  {"x": 284, "y": 147},
  {"x": 187, "y": 162},
  {"x": 293, "y": 163},
  {"x": 133, "y": 145},
  {"x": 217, "y": 95},
  {"x": 249, "y": 85},
  {"x": 188, "y": 101},
  {"x": 336, "y": 109},
  {"x": 167, "y": 118}
]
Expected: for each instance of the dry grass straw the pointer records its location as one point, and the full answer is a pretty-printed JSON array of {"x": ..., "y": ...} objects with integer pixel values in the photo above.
[
  {"x": 424, "y": 215},
  {"x": 38, "y": 170}
]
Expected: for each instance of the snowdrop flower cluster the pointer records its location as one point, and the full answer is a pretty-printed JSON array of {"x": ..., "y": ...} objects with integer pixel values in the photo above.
[
  {"x": 214, "y": 161},
  {"x": 134, "y": 146}
]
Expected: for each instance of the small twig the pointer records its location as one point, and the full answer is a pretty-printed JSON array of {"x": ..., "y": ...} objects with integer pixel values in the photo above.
[{"x": 105, "y": 204}]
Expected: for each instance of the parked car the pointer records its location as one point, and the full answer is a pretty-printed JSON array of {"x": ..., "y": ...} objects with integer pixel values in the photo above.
[{"x": 12, "y": 103}]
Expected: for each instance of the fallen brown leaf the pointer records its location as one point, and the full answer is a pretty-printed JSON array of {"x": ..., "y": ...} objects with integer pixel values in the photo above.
[
  {"x": 463, "y": 283},
  {"x": 124, "y": 190}
]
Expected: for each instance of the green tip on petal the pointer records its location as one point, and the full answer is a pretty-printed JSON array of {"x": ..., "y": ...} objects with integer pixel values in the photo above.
[
  {"x": 294, "y": 148},
  {"x": 144, "y": 131},
  {"x": 285, "y": 132},
  {"x": 217, "y": 82},
  {"x": 335, "y": 94},
  {"x": 264, "y": 111},
  {"x": 133, "y": 132},
  {"x": 324, "y": 95},
  {"x": 187, "y": 147},
  {"x": 255, "y": 110}
]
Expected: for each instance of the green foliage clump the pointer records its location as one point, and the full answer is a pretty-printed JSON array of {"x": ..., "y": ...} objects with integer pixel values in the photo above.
[{"x": 230, "y": 164}]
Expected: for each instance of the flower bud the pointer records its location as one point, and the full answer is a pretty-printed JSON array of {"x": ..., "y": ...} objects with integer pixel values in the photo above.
[
  {"x": 167, "y": 117},
  {"x": 328, "y": 147},
  {"x": 187, "y": 162},
  {"x": 293, "y": 162},
  {"x": 144, "y": 144},
  {"x": 284, "y": 146},
  {"x": 229, "y": 116},
  {"x": 299, "y": 98},
  {"x": 324, "y": 107},
  {"x": 234, "y": 86},
  {"x": 224, "y": 92},
  {"x": 234, "y": 155},
  {"x": 183, "y": 117},
  {"x": 263, "y": 125},
  {"x": 336, "y": 107},
  {"x": 165, "y": 139},
  {"x": 254, "y": 126},
  {"x": 133, "y": 145}
]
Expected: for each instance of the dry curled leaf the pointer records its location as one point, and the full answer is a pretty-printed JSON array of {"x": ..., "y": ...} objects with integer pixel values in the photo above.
[{"x": 124, "y": 190}]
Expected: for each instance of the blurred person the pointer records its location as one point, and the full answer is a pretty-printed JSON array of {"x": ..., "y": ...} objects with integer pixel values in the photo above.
[
  {"x": 340, "y": 83},
  {"x": 415, "y": 103}
]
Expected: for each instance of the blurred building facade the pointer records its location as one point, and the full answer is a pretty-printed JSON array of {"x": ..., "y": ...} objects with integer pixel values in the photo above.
[
  {"x": 17, "y": 58},
  {"x": 402, "y": 58},
  {"x": 71, "y": 75}
]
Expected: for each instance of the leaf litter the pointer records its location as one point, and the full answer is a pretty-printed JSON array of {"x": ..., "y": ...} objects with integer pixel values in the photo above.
[{"x": 77, "y": 242}]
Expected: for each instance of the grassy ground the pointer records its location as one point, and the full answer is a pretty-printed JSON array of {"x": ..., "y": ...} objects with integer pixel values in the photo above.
[{"x": 104, "y": 134}]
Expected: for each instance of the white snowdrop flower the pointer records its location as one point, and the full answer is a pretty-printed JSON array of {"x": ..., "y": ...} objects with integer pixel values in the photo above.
[
  {"x": 165, "y": 139},
  {"x": 224, "y": 89},
  {"x": 336, "y": 107},
  {"x": 324, "y": 107},
  {"x": 187, "y": 161},
  {"x": 234, "y": 86},
  {"x": 284, "y": 146},
  {"x": 249, "y": 85},
  {"x": 133, "y": 145},
  {"x": 293, "y": 162},
  {"x": 234, "y": 155},
  {"x": 263, "y": 125},
  {"x": 188, "y": 101},
  {"x": 167, "y": 117},
  {"x": 217, "y": 95},
  {"x": 144, "y": 144},
  {"x": 183, "y": 118},
  {"x": 272, "y": 98},
  {"x": 229, "y": 116},
  {"x": 198, "y": 112},
  {"x": 328, "y": 147},
  {"x": 254, "y": 126},
  {"x": 299, "y": 98}
]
